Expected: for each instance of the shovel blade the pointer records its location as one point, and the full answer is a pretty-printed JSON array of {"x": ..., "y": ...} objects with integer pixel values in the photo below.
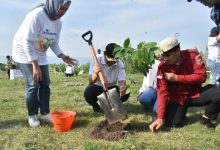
[{"x": 115, "y": 113}]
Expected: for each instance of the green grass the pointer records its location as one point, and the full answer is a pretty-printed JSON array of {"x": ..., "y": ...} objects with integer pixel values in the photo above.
[{"x": 16, "y": 134}]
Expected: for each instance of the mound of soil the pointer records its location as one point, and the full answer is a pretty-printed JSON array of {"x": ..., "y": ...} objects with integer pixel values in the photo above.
[{"x": 117, "y": 130}]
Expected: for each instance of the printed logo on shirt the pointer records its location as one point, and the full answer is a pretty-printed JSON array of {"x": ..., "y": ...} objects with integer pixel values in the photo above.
[
  {"x": 159, "y": 77},
  {"x": 48, "y": 33},
  {"x": 44, "y": 44}
]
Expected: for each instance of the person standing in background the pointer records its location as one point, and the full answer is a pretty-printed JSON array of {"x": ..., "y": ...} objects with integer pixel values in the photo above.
[
  {"x": 213, "y": 60},
  {"x": 69, "y": 71},
  {"x": 39, "y": 31},
  {"x": 9, "y": 65},
  {"x": 99, "y": 53}
]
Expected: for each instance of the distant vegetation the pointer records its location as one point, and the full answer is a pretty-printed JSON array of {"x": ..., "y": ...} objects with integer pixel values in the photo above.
[{"x": 61, "y": 67}]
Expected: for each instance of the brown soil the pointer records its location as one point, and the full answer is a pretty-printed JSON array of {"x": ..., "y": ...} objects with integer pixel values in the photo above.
[{"x": 117, "y": 130}]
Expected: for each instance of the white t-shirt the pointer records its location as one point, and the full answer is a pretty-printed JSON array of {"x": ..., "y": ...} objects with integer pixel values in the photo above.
[
  {"x": 112, "y": 73},
  {"x": 213, "y": 49},
  {"x": 36, "y": 34},
  {"x": 151, "y": 79}
]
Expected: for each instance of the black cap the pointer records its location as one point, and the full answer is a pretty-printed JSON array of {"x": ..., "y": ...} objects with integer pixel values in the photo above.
[
  {"x": 215, "y": 29},
  {"x": 109, "y": 50}
]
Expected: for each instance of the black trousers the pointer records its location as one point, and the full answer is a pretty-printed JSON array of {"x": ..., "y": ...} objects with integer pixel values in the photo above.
[
  {"x": 68, "y": 75},
  {"x": 8, "y": 72},
  {"x": 92, "y": 91},
  {"x": 210, "y": 97}
]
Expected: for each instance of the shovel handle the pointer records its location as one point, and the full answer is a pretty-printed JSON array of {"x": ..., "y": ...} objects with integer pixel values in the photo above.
[
  {"x": 100, "y": 74},
  {"x": 89, "y": 40}
]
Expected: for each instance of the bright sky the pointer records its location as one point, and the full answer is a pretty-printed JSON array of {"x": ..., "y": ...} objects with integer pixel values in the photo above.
[{"x": 114, "y": 21}]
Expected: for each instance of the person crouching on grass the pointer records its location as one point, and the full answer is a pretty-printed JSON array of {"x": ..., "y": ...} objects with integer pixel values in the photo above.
[
  {"x": 114, "y": 73},
  {"x": 179, "y": 86}
]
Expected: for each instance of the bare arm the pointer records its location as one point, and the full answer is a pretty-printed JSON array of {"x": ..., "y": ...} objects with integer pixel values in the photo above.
[
  {"x": 37, "y": 74},
  {"x": 70, "y": 61},
  {"x": 121, "y": 85},
  {"x": 93, "y": 77}
]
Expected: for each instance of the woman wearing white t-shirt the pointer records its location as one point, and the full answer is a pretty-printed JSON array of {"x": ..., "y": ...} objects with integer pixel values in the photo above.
[
  {"x": 39, "y": 31},
  {"x": 148, "y": 93}
]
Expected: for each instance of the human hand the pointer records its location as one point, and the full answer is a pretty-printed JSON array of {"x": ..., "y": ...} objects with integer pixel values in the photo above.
[
  {"x": 70, "y": 61},
  {"x": 37, "y": 74},
  {"x": 156, "y": 125},
  {"x": 122, "y": 90},
  {"x": 170, "y": 76},
  {"x": 96, "y": 69}
]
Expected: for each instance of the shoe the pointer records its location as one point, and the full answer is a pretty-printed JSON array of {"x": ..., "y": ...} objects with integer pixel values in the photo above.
[
  {"x": 206, "y": 122},
  {"x": 97, "y": 109},
  {"x": 46, "y": 118},
  {"x": 33, "y": 121},
  {"x": 178, "y": 125},
  {"x": 100, "y": 111}
]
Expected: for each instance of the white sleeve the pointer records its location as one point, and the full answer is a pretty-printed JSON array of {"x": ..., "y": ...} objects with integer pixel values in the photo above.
[
  {"x": 144, "y": 85},
  {"x": 121, "y": 74},
  {"x": 55, "y": 45},
  {"x": 91, "y": 71},
  {"x": 32, "y": 28},
  {"x": 92, "y": 64}
]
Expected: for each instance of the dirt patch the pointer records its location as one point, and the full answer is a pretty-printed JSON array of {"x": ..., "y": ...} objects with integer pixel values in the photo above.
[{"x": 117, "y": 130}]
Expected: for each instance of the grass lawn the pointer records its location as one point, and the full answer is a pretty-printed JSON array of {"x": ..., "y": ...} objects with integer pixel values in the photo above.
[{"x": 15, "y": 134}]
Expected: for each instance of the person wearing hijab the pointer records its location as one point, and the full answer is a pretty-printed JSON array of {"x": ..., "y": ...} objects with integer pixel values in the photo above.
[{"x": 39, "y": 31}]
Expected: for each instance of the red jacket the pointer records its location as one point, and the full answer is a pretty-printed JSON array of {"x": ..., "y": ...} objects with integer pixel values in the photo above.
[{"x": 191, "y": 73}]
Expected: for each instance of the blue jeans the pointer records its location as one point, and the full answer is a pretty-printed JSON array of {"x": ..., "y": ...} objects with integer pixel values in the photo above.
[
  {"x": 37, "y": 93},
  {"x": 148, "y": 99},
  {"x": 214, "y": 67}
]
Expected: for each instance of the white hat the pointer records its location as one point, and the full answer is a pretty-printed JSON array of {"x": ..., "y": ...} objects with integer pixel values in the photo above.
[{"x": 168, "y": 43}]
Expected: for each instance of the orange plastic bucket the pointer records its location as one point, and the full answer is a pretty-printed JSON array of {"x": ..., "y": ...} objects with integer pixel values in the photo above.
[{"x": 63, "y": 120}]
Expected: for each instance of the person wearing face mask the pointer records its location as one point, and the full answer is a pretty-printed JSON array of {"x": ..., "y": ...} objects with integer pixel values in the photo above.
[
  {"x": 115, "y": 77},
  {"x": 39, "y": 31}
]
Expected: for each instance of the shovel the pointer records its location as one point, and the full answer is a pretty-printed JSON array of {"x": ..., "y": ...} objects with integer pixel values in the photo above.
[{"x": 110, "y": 100}]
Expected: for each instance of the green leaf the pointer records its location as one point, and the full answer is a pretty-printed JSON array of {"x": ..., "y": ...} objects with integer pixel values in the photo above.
[
  {"x": 151, "y": 58},
  {"x": 118, "y": 48},
  {"x": 126, "y": 43},
  {"x": 140, "y": 45}
]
